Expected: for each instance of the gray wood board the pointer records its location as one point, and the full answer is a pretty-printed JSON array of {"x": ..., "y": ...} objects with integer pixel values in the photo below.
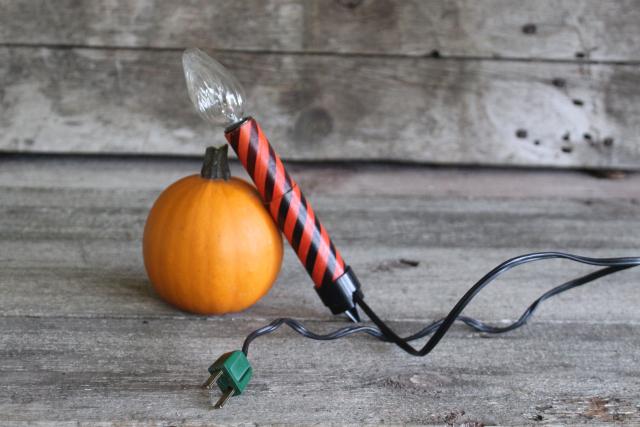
[
  {"x": 552, "y": 29},
  {"x": 148, "y": 371},
  {"x": 84, "y": 338},
  {"x": 83, "y": 219},
  {"x": 328, "y": 107}
]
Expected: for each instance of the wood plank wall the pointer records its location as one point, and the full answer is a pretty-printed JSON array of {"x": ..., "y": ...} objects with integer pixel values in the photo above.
[{"x": 497, "y": 82}]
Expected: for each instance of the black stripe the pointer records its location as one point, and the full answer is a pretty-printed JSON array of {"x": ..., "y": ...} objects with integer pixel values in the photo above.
[
  {"x": 327, "y": 278},
  {"x": 333, "y": 249},
  {"x": 271, "y": 175},
  {"x": 331, "y": 265},
  {"x": 283, "y": 209},
  {"x": 300, "y": 221},
  {"x": 237, "y": 124},
  {"x": 253, "y": 150},
  {"x": 287, "y": 178},
  {"x": 313, "y": 248},
  {"x": 235, "y": 136}
]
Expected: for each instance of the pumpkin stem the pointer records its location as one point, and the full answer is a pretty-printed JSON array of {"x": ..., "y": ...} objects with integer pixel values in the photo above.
[{"x": 215, "y": 164}]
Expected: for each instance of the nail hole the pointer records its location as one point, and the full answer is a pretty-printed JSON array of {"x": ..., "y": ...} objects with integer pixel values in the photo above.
[
  {"x": 350, "y": 4},
  {"x": 609, "y": 174},
  {"x": 578, "y": 102},
  {"x": 536, "y": 142},
  {"x": 565, "y": 137},
  {"x": 409, "y": 262},
  {"x": 587, "y": 136},
  {"x": 529, "y": 28},
  {"x": 580, "y": 55},
  {"x": 567, "y": 149},
  {"x": 608, "y": 142},
  {"x": 558, "y": 82},
  {"x": 521, "y": 133},
  {"x": 435, "y": 53}
]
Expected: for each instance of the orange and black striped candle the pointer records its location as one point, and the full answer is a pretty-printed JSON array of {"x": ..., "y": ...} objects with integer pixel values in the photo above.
[{"x": 334, "y": 282}]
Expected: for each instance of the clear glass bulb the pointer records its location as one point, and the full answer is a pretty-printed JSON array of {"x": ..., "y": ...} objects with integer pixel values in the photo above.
[{"x": 216, "y": 94}]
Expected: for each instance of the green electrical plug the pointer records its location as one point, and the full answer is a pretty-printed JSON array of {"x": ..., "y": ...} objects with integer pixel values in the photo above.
[{"x": 231, "y": 372}]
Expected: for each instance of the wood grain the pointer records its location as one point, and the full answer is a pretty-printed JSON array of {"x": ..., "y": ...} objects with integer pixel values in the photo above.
[
  {"x": 83, "y": 221},
  {"x": 550, "y": 29},
  {"x": 83, "y": 338},
  {"x": 148, "y": 371},
  {"x": 328, "y": 107}
]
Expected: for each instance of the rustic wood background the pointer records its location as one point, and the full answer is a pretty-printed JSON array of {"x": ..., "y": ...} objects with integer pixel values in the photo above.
[{"x": 499, "y": 82}]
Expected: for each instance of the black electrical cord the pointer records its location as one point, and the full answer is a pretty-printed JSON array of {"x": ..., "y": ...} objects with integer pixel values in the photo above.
[{"x": 440, "y": 327}]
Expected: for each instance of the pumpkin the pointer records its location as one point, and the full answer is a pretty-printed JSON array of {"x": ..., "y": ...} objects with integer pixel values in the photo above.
[{"x": 209, "y": 245}]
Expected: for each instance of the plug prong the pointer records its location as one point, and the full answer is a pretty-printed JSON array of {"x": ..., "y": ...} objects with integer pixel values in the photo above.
[
  {"x": 212, "y": 379},
  {"x": 223, "y": 399}
]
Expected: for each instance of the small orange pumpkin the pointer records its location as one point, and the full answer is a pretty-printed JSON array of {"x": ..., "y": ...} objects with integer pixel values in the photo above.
[{"x": 209, "y": 245}]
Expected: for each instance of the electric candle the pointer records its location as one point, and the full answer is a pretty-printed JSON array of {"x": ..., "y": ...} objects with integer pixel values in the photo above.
[{"x": 219, "y": 99}]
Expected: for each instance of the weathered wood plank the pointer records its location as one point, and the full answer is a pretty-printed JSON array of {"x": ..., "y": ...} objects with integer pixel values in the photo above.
[
  {"x": 148, "y": 371},
  {"x": 328, "y": 179},
  {"x": 70, "y": 234},
  {"x": 556, "y": 29},
  {"x": 104, "y": 279},
  {"x": 327, "y": 107},
  {"x": 88, "y": 215}
]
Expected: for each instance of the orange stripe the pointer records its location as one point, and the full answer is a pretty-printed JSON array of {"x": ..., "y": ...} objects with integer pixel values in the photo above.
[
  {"x": 321, "y": 263},
  {"x": 292, "y": 214},
  {"x": 279, "y": 184},
  {"x": 330, "y": 260},
  {"x": 262, "y": 162},
  {"x": 243, "y": 142},
  {"x": 338, "y": 269},
  {"x": 307, "y": 235},
  {"x": 274, "y": 206}
]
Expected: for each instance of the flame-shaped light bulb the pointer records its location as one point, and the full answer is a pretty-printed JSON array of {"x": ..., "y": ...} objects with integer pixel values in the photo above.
[{"x": 216, "y": 95}]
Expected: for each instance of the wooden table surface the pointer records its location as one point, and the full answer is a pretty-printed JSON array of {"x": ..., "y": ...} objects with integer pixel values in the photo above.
[{"x": 83, "y": 338}]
